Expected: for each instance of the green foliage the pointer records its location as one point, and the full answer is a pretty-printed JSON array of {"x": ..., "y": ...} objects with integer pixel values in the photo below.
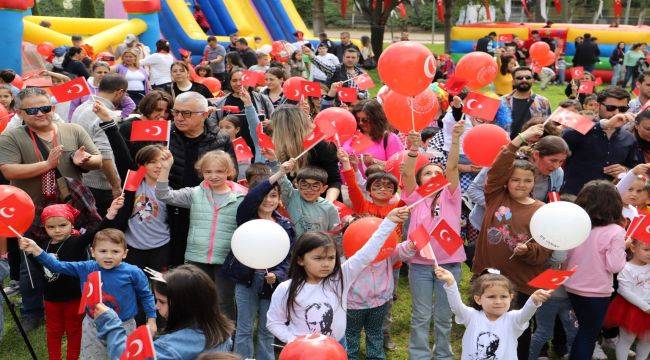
[
  {"x": 55, "y": 8},
  {"x": 87, "y": 9}
]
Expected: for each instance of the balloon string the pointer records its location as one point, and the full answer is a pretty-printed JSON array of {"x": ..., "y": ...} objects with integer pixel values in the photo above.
[
  {"x": 29, "y": 272},
  {"x": 513, "y": 253},
  {"x": 412, "y": 114}
]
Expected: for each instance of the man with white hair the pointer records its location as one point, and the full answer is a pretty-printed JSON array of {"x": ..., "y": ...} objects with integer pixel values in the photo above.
[{"x": 131, "y": 42}]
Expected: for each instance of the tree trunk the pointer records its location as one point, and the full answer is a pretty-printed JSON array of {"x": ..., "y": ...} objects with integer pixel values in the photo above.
[
  {"x": 377, "y": 39},
  {"x": 318, "y": 16},
  {"x": 448, "y": 24}
]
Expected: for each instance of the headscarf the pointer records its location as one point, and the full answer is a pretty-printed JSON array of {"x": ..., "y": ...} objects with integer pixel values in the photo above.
[{"x": 59, "y": 210}]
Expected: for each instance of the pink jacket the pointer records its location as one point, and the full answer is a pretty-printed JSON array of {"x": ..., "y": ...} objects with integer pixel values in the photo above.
[{"x": 596, "y": 260}]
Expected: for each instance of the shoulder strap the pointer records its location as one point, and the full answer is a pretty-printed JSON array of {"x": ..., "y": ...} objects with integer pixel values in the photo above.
[{"x": 40, "y": 148}]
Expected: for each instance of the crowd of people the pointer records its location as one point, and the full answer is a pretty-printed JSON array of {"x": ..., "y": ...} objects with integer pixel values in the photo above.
[{"x": 73, "y": 160}]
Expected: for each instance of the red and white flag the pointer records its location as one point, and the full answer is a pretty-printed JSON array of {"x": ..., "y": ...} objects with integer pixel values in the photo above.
[
  {"x": 343, "y": 209},
  {"x": 230, "y": 108},
  {"x": 243, "y": 152},
  {"x": 480, "y": 106},
  {"x": 134, "y": 178},
  {"x": 553, "y": 196},
  {"x": 311, "y": 88},
  {"x": 505, "y": 38},
  {"x": 586, "y": 87},
  {"x": 642, "y": 230},
  {"x": 447, "y": 237},
  {"x": 150, "y": 130},
  {"x": 579, "y": 123},
  {"x": 312, "y": 139},
  {"x": 139, "y": 345},
  {"x": 92, "y": 292},
  {"x": 420, "y": 237},
  {"x": 251, "y": 78},
  {"x": 454, "y": 85},
  {"x": 347, "y": 94},
  {"x": 577, "y": 72},
  {"x": 360, "y": 142},
  {"x": 551, "y": 279},
  {"x": 433, "y": 185},
  {"x": 633, "y": 225},
  {"x": 70, "y": 90},
  {"x": 364, "y": 82},
  {"x": 265, "y": 141},
  {"x": 427, "y": 253}
]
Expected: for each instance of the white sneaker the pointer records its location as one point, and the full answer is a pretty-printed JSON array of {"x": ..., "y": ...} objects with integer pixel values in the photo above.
[
  {"x": 611, "y": 344},
  {"x": 599, "y": 354}
]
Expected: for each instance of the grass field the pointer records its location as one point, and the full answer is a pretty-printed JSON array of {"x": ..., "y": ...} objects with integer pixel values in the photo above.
[{"x": 12, "y": 347}]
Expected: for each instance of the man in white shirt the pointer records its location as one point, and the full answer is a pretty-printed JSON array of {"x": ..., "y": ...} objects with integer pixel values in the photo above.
[
  {"x": 160, "y": 65},
  {"x": 327, "y": 59}
]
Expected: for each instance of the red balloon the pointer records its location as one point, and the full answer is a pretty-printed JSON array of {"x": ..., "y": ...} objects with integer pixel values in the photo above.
[
  {"x": 359, "y": 232},
  {"x": 213, "y": 84},
  {"x": 383, "y": 90},
  {"x": 539, "y": 50},
  {"x": 398, "y": 110},
  {"x": 292, "y": 88},
  {"x": 337, "y": 121},
  {"x": 18, "y": 82},
  {"x": 477, "y": 68},
  {"x": 45, "y": 49},
  {"x": 483, "y": 143},
  {"x": 313, "y": 347},
  {"x": 407, "y": 67},
  {"x": 548, "y": 59},
  {"x": 394, "y": 163},
  {"x": 281, "y": 51},
  {"x": 16, "y": 210}
]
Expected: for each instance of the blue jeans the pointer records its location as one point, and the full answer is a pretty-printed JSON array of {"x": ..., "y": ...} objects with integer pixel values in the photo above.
[
  {"x": 249, "y": 304},
  {"x": 369, "y": 320},
  {"x": 545, "y": 318},
  {"x": 590, "y": 312},
  {"x": 424, "y": 286},
  {"x": 630, "y": 71},
  {"x": 617, "y": 74},
  {"x": 4, "y": 272},
  {"x": 32, "y": 296}
]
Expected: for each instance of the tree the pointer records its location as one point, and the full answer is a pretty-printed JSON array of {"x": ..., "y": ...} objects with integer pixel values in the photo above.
[
  {"x": 35, "y": 10},
  {"x": 448, "y": 25},
  {"x": 87, "y": 9},
  {"x": 377, "y": 12},
  {"x": 318, "y": 16}
]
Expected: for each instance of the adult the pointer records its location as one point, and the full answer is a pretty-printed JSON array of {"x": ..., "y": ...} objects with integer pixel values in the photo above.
[
  {"x": 607, "y": 150},
  {"x": 345, "y": 45},
  {"x": 234, "y": 63},
  {"x": 159, "y": 65},
  {"x": 214, "y": 55},
  {"x": 522, "y": 104},
  {"x": 181, "y": 81},
  {"x": 367, "y": 55},
  {"x": 534, "y": 37},
  {"x": 100, "y": 69},
  {"x": 233, "y": 43},
  {"x": 190, "y": 138},
  {"x": 342, "y": 74},
  {"x": 641, "y": 131},
  {"x": 643, "y": 84},
  {"x": 131, "y": 41},
  {"x": 326, "y": 58},
  {"x": 72, "y": 63},
  {"x": 275, "y": 77},
  {"x": 105, "y": 183},
  {"x": 247, "y": 54},
  {"x": 372, "y": 122},
  {"x": 156, "y": 105},
  {"x": 297, "y": 65},
  {"x": 504, "y": 81},
  {"x": 32, "y": 156},
  {"x": 290, "y": 126},
  {"x": 587, "y": 53},
  {"x": 630, "y": 60},
  {"x": 323, "y": 39},
  {"x": 135, "y": 74},
  {"x": 200, "y": 18},
  {"x": 486, "y": 43},
  {"x": 616, "y": 61}
]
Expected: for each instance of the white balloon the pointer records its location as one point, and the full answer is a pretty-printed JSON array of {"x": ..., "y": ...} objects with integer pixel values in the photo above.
[
  {"x": 560, "y": 225},
  {"x": 260, "y": 244}
]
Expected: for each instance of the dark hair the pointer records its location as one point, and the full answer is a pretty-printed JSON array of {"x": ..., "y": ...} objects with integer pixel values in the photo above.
[
  {"x": 492, "y": 33},
  {"x": 72, "y": 51},
  {"x": 635, "y": 46},
  {"x": 234, "y": 58},
  {"x": 485, "y": 282},
  {"x": 379, "y": 176},
  {"x": 352, "y": 51},
  {"x": 277, "y": 72},
  {"x": 521, "y": 68},
  {"x": 602, "y": 202},
  {"x": 110, "y": 235},
  {"x": 242, "y": 41},
  {"x": 182, "y": 64},
  {"x": 365, "y": 40},
  {"x": 256, "y": 173},
  {"x": 641, "y": 77},
  {"x": 212, "y": 38},
  {"x": 207, "y": 69},
  {"x": 307, "y": 242},
  {"x": 7, "y": 87},
  {"x": 505, "y": 60},
  {"x": 149, "y": 102},
  {"x": 194, "y": 303},
  {"x": 162, "y": 45},
  {"x": 551, "y": 145},
  {"x": 428, "y": 132},
  {"x": 373, "y": 169},
  {"x": 218, "y": 355},
  {"x": 571, "y": 103},
  {"x": 534, "y": 32},
  {"x": 550, "y": 128},
  {"x": 112, "y": 83},
  {"x": 147, "y": 154},
  {"x": 589, "y": 98},
  {"x": 76, "y": 38},
  {"x": 7, "y": 75},
  {"x": 376, "y": 117},
  {"x": 615, "y": 92},
  {"x": 523, "y": 165},
  {"x": 233, "y": 119},
  {"x": 312, "y": 173}
]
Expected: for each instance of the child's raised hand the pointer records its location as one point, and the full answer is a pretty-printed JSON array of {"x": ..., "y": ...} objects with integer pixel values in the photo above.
[
  {"x": 167, "y": 159},
  {"x": 288, "y": 165},
  {"x": 540, "y": 295},
  {"x": 444, "y": 275},
  {"x": 29, "y": 246},
  {"x": 269, "y": 154},
  {"x": 398, "y": 215},
  {"x": 414, "y": 139},
  {"x": 343, "y": 155},
  {"x": 458, "y": 129},
  {"x": 116, "y": 205},
  {"x": 641, "y": 169},
  {"x": 533, "y": 133},
  {"x": 102, "y": 112},
  {"x": 456, "y": 101}
]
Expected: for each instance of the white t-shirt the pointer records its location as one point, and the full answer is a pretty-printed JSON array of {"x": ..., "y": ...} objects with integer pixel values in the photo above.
[
  {"x": 489, "y": 340},
  {"x": 327, "y": 59},
  {"x": 160, "y": 67},
  {"x": 136, "y": 80},
  {"x": 319, "y": 308},
  {"x": 634, "y": 285}
]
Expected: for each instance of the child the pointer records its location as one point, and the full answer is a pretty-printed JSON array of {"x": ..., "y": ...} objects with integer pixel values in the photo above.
[
  {"x": 314, "y": 299},
  {"x": 446, "y": 205},
  {"x": 203, "y": 71},
  {"x": 491, "y": 330},
  {"x": 633, "y": 189},
  {"x": 187, "y": 299},
  {"x": 308, "y": 211},
  {"x": 630, "y": 310},
  {"x": 596, "y": 260},
  {"x": 7, "y": 98},
  {"x": 123, "y": 285},
  {"x": 263, "y": 62},
  {"x": 591, "y": 103},
  {"x": 253, "y": 288},
  {"x": 213, "y": 210}
]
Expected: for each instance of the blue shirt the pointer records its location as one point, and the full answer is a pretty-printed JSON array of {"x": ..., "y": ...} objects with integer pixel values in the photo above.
[{"x": 120, "y": 285}]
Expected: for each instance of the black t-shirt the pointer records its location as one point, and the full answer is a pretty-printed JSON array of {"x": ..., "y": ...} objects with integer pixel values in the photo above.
[
  {"x": 243, "y": 122},
  {"x": 520, "y": 114},
  {"x": 249, "y": 57},
  {"x": 190, "y": 176},
  {"x": 196, "y": 87}
]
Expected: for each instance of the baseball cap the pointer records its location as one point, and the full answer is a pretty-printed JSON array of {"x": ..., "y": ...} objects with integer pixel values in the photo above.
[{"x": 130, "y": 38}]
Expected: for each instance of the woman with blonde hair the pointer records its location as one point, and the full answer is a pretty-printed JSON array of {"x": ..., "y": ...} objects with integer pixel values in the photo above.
[{"x": 136, "y": 75}]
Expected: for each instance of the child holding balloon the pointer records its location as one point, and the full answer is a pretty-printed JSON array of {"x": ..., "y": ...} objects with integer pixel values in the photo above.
[{"x": 314, "y": 299}]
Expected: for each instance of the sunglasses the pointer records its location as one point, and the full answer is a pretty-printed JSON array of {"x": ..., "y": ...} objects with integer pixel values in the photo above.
[
  {"x": 524, "y": 78},
  {"x": 34, "y": 110},
  {"x": 611, "y": 108}
]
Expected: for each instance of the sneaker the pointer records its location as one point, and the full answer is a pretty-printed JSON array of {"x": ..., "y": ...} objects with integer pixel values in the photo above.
[
  {"x": 599, "y": 354},
  {"x": 31, "y": 323},
  {"x": 388, "y": 343},
  {"x": 611, "y": 344},
  {"x": 13, "y": 288}
]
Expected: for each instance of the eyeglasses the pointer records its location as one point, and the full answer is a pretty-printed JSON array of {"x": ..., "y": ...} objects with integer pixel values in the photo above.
[
  {"x": 611, "y": 108},
  {"x": 304, "y": 185},
  {"x": 524, "y": 78},
  {"x": 34, "y": 110},
  {"x": 185, "y": 113},
  {"x": 382, "y": 185}
]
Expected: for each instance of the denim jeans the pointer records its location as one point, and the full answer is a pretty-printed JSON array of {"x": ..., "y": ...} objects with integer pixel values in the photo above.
[
  {"x": 4, "y": 272},
  {"x": 630, "y": 71},
  {"x": 369, "y": 320},
  {"x": 545, "y": 318},
  {"x": 590, "y": 312},
  {"x": 617, "y": 74},
  {"x": 424, "y": 287},
  {"x": 249, "y": 305},
  {"x": 32, "y": 296}
]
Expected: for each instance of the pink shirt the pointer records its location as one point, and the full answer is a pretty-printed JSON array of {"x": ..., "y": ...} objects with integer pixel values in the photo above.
[
  {"x": 449, "y": 208},
  {"x": 393, "y": 145},
  {"x": 597, "y": 259}
]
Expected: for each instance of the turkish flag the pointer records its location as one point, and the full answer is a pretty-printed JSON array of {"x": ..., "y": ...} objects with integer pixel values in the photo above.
[
  {"x": 642, "y": 230},
  {"x": 139, "y": 345},
  {"x": 311, "y": 88},
  {"x": 230, "y": 108},
  {"x": 580, "y": 123},
  {"x": 447, "y": 237},
  {"x": 553, "y": 196},
  {"x": 250, "y": 78},
  {"x": 586, "y": 87},
  {"x": 70, "y": 90},
  {"x": 633, "y": 225},
  {"x": 150, "y": 130},
  {"x": 432, "y": 185},
  {"x": 360, "y": 142},
  {"x": 551, "y": 279},
  {"x": 454, "y": 85},
  {"x": 506, "y": 38},
  {"x": 242, "y": 151},
  {"x": 292, "y": 90},
  {"x": 618, "y": 8},
  {"x": 347, "y": 94},
  {"x": 343, "y": 209},
  {"x": 312, "y": 139},
  {"x": 420, "y": 237},
  {"x": 576, "y": 72},
  {"x": 92, "y": 292},
  {"x": 364, "y": 82},
  {"x": 598, "y": 81},
  {"x": 134, "y": 179},
  {"x": 264, "y": 140},
  {"x": 481, "y": 106},
  {"x": 427, "y": 252},
  {"x": 440, "y": 7}
]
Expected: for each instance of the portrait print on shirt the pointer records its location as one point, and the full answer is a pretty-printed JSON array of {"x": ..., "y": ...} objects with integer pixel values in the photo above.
[
  {"x": 319, "y": 318},
  {"x": 487, "y": 344},
  {"x": 144, "y": 208}
]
